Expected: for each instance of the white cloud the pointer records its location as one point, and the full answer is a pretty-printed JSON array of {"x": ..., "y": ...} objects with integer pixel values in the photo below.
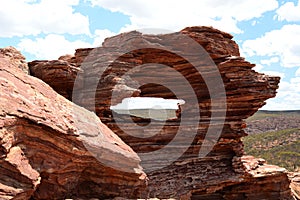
[
  {"x": 254, "y": 23},
  {"x": 289, "y": 11},
  {"x": 270, "y": 61},
  {"x": 31, "y": 17},
  {"x": 288, "y": 97},
  {"x": 291, "y": 102},
  {"x": 284, "y": 43},
  {"x": 298, "y": 72},
  {"x": 177, "y": 14},
  {"x": 53, "y": 45},
  {"x": 100, "y": 35},
  {"x": 258, "y": 67},
  {"x": 274, "y": 73},
  {"x": 261, "y": 69},
  {"x": 50, "y": 47}
]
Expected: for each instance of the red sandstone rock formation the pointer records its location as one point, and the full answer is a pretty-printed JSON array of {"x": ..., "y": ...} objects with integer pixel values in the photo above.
[
  {"x": 222, "y": 174},
  {"x": 42, "y": 154},
  {"x": 295, "y": 184},
  {"x": 14, "y": 57}
]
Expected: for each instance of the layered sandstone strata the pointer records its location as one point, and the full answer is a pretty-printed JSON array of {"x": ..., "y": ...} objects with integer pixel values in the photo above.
[
  {"x": 206, "y": 136},
  {"x": 47, "y": 144}
]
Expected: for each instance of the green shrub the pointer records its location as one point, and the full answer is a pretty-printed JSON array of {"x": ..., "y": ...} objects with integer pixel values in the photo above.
[{"x": 278, "y": 147}]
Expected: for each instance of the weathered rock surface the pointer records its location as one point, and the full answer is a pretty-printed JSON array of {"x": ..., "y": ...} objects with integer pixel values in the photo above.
[
  {"x": 47, "y": 144},
  {"x": 295, "y": 184},
  {"x": 99, "y": 78},
  {"x": 14, "y": 57},
  {"x": 60, "y": 73}
]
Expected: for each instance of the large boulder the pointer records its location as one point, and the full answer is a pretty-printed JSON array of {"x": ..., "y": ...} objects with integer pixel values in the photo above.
[{"x": 51, "y": 148}]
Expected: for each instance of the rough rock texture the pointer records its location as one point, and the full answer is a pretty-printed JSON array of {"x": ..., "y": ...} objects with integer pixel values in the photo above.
[
  {"x": 44, "y": 140},
  {"x": 14, "y": 57},
  {"x": 295, "y": 184},
  {"x": 60, "y": 73},
  {"x": 108, "y": 74}
]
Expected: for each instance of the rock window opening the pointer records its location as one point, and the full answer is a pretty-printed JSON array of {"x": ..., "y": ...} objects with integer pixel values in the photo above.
[{"x": 150, "y": 108}]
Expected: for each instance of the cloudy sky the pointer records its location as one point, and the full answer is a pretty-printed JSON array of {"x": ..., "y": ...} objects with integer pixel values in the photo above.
[{"x": 268, "y": 31}]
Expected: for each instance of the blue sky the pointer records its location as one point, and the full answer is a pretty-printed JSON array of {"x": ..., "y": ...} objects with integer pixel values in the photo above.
[{"x": 268, "y": 32}]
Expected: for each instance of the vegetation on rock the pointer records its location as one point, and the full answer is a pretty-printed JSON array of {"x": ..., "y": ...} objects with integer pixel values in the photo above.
[{"x": 277, "y": 142}]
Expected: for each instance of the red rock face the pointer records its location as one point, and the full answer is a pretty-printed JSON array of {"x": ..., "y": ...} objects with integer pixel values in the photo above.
[
  {"x": 295, "y": 184},
  {"x": 42, "y": 154},
  {"x": 15, "y": 58},
  {"x": 98, "y": 78}
]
